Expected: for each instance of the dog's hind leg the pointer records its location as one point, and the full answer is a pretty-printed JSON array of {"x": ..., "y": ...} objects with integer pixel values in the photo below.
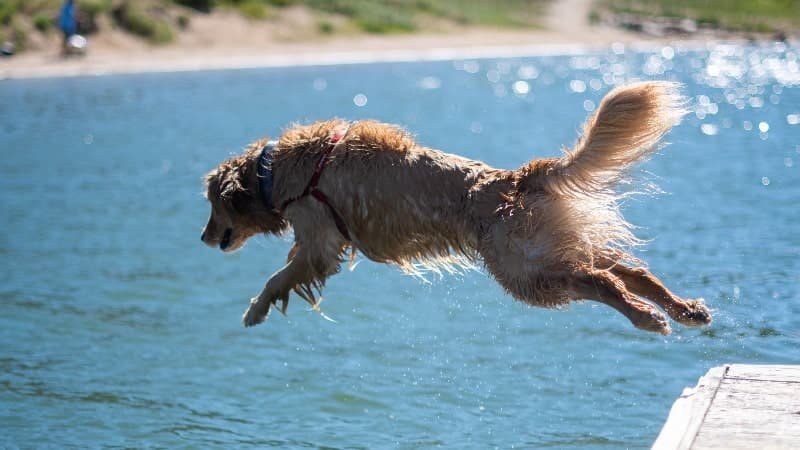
[
  {"x": 640, "y": 281},
  {"x": 603, "y": 286}
]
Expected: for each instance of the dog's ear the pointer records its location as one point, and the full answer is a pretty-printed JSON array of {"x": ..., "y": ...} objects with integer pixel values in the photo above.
[
  {"x": 235, "y": 189},
  {"x": 231, "y": 184}
]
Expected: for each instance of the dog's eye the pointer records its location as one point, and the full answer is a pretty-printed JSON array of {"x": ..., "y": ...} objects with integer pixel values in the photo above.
[{"x": 241, "y": 202}]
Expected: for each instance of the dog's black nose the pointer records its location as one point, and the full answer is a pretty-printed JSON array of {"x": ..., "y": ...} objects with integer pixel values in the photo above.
[{"x": 203, "y": 236}]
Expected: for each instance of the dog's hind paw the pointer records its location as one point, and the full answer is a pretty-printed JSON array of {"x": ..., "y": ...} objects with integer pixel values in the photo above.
[
  {"x": 697, "y": 314},
  {"x": 256, "y": 313},
  {"x": 653, "y": 320}
]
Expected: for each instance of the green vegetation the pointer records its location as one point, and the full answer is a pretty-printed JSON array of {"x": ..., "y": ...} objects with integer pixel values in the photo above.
[
  {"x": 254, "y": 9},
  {"x": 183, "y": 21},
  {"x": 42, "y": 22},
  {"x": 735, "y": 15},
  {"x": 392, "y": 16},
  {"x": 325, "y": 27},
  {"x": 200, "y": 5},
  {"x": 157, "y": 21},
  {"x": 372, "y": 16},
  {"x": 508, "y": 13},
  {"x": 94, "y": 7},
  {"x": 135, "y": 17}
]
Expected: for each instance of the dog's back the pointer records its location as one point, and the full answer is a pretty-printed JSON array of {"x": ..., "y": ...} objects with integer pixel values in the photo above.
[{"x": 404, "y": 204}]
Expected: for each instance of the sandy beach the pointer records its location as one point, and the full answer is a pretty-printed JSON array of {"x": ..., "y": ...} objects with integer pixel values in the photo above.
[{"x": 225, "y": 41}]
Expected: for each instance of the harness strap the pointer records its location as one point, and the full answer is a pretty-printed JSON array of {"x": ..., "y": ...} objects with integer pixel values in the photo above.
[
  {"x": 312, "y": 189},
  {"x": 340, "y": 225}
]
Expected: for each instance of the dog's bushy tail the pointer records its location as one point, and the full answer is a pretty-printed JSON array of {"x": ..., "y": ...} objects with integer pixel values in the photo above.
[{"x": 626, "y": 128}]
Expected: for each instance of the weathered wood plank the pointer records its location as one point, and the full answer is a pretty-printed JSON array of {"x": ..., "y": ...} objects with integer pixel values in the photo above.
[
  {"x": 747, "y": 394},
  {"x": 745, "y": 410},
  {"x": 737, "y": 407},
  {"x": 767, "y": 373},
  {"x": 687, "y": 413},
  {"x": 727, "y": 440}
]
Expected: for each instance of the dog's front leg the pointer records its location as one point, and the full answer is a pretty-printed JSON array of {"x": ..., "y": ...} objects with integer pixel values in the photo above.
[
  {"x": 315, "y": 256},
  {"x": 277, "y": 288}
]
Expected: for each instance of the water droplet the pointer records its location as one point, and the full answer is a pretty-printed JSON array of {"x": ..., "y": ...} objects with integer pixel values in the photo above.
[
  {"x": 577, "y": 86},
  {"x": 747, "y": 125},
  {"x": 763, "y": 127},
  {"x": 493, "y": 76},
  {"x": 765, "y": 181},
  {"x": 527, "y": 72},
  {"x": 320, "y": 84},
  {"x": 476, "y": 127},
  {"x": 588, "y": 105},
  {"x": 788, "y": 162},
  {"x": 88, "y": 139},
  {"x": 521, "y": 87},
  {"x": 472, "y": 67},
  {"x": 430, "y": 83},
  {"x": 667, "y": 52},
  {"x": 793, "y": 119},
  {"x": 709, "y": 129},
  {"x": 360, "y": 100}
]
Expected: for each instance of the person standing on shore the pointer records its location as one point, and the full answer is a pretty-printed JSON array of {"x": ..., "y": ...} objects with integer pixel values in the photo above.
[{"x": 68, "y": 22}]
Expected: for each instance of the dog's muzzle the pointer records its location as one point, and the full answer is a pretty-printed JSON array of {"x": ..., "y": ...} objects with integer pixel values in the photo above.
[{"x": 226, "y": 239}]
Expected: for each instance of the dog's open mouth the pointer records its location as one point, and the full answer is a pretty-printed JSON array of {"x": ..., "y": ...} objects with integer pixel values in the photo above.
[{"x": 226, "y": 239}]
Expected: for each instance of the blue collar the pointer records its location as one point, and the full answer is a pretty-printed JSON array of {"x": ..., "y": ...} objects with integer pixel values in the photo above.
[{"x": 265, "y": 173}]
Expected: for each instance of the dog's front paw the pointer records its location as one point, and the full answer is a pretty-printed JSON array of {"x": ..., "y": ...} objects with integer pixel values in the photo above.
[{"x": 256, "y": 313}]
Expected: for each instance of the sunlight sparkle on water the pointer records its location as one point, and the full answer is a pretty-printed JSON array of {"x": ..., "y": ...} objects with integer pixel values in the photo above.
[
  {"x": 360, "y": 100},
  {"x": 521, "y": 87}
]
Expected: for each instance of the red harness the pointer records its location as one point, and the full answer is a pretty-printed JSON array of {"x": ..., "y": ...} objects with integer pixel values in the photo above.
[{"x": 313, "y": 190}]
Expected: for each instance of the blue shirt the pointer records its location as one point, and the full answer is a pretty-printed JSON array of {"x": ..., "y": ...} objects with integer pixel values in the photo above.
[{"x": 67, "y": 20}]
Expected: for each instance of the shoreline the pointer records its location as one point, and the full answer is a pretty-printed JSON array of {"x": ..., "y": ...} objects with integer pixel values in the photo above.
[
  {"x": 339, "y": 52},
  {"x": 248, "y": 45}
]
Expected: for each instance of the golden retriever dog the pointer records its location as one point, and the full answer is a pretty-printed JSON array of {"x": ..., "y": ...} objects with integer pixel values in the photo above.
[{"x": 550, "y": 232}]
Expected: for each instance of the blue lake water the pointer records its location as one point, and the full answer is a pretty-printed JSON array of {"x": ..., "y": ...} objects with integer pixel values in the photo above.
[{"x": 120, "y": 329}]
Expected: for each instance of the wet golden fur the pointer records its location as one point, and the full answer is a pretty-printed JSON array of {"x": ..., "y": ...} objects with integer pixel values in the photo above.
[{"x": 549, "y": 232}]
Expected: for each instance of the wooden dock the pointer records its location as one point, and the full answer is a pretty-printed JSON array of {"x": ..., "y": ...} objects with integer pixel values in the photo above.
[{"x": 737, "y": 406}]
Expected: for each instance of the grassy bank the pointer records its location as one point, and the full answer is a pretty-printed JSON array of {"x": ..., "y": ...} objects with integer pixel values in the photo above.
[
  {"x": 159, "y": 21},
  {"x": 734, "y": 15}
]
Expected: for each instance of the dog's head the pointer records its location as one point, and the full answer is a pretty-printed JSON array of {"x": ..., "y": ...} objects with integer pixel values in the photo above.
[{"x": 237, "y": 211}]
